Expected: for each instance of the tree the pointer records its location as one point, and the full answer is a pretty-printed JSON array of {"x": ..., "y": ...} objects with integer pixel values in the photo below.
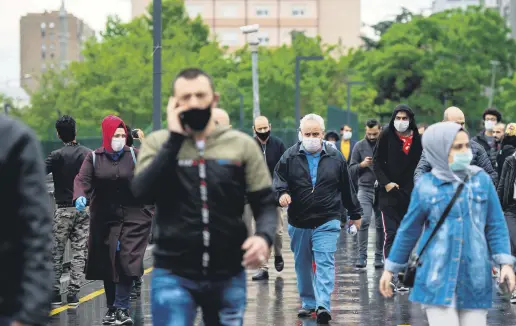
[
  {"x": 440, "y": 60},
  {"x": 116, "y": 74}
]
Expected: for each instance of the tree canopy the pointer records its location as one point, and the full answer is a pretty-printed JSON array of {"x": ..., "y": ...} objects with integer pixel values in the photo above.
[{"x": 427, "y": 62}]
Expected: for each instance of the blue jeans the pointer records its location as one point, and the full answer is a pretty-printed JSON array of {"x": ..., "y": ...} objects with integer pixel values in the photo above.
[
  {"x": 317, "y": 244},
  {"x": 175, "y": 300}
]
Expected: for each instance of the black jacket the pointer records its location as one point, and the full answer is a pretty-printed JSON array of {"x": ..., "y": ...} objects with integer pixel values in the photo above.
[
  {"x": 480, "y": 159},
  {"x": 64, "y": 164},
  {"x": 365, "y": 176},
  {"x": 482, "y": 141},
  {"x": 194, "y": 204},
  {"x": 272, "y": 149},
  {"x": 391, "y": 164},
  {"x": 26, "y": 233},
  {"x": 504, "y": 153},
  {"x": 313, "y": 206},
  {"x": 505, "y": 187}
]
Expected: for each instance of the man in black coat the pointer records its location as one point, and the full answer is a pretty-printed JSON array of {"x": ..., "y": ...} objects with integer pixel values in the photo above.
[
  {"x": 395, "y": 159},
  {"x": 272, "y": 148},
  {"x": 26, "y": 235}
]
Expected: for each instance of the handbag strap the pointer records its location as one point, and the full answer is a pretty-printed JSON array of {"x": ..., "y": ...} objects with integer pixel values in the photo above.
[{"x": 443, "y": 216}]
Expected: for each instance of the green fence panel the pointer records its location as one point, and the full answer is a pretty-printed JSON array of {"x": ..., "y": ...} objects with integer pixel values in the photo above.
[{"x": 336, "y": 117}]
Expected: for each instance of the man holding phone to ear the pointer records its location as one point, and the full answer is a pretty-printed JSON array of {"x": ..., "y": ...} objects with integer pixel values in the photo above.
[{"x": 198, "y": 174}]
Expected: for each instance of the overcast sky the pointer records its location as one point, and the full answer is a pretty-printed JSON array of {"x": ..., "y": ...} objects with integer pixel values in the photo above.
[{"x": 94, "y": 13}]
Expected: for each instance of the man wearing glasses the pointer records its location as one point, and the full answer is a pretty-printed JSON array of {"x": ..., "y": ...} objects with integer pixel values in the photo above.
[{"x": 480, "y": 157}]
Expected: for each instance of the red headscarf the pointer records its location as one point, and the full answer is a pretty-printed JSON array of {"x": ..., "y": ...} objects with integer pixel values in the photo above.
[{"x": 109, "y": 125}]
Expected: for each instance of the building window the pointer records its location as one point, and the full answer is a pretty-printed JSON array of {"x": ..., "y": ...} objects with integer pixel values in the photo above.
[
  {"x": 263, "y": 38},
  {"x": 51, "y": 25},
  {"x": 229, "y": 38},
  {"x": 298, "y": 11},
  {"x": 43, "y": 29},
  {"x": 262, "y": 11},
  {"x": 52, "y": 66},
  {"x": 43, "y": 51},
  {"x": 51, "y": 56},
  {"x": 51, "y": 47},
  {"x": 43, "y": 66},
  {"x": 229, "y": 11},
  {"x": 194, "y": 10}
]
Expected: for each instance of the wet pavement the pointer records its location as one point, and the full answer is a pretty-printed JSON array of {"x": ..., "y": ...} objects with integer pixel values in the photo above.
[{"x": 356, "y": 300}]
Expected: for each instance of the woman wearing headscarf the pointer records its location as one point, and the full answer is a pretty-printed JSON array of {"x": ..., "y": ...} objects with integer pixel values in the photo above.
[
  {"x": 453, "y": 279},
  {"x": 119, "y": 229},
  {"x": 507, "y": 189}
]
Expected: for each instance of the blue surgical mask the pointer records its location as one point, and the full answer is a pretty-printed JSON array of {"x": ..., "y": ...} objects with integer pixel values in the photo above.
[{"x": 461, "y": 160}]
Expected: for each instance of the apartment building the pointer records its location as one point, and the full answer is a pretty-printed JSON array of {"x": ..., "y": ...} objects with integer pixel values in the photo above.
[
  {"x": 442, "y": 5},
  {"x": 49, "y": 40},
  {"x": 336, "y": 21}
]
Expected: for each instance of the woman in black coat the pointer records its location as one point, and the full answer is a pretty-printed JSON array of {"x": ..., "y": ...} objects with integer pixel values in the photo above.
[{"x": 119, "y": 228}]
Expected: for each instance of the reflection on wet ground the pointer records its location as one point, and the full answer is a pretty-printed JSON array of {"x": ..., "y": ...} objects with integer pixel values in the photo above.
[{"x": 356, "y": 300}]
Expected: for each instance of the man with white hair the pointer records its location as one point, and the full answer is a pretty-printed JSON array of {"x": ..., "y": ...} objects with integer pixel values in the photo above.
[{"x": 312, "y": 179}]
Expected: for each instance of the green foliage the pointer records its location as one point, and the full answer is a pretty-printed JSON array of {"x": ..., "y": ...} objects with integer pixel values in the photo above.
[
  {"x": 427, "y": 62},
  {"x": 441, "y": 60}
]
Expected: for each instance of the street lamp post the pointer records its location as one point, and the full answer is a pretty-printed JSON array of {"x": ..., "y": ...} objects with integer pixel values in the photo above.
[
  {"x": 349, "y": 84},
  {"x": 494, "y": 65},
  {"x": 298, "y": 80},
  {"x": 156, "y": 65},
  {"x": 251, "y": 31},
  {"x": 241, "y": 110}
]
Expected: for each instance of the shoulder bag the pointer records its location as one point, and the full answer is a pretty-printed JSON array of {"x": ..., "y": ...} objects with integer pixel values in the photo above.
[{"x": 410, "y": 271}]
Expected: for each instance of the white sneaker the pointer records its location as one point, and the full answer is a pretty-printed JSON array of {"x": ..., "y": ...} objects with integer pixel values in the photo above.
[{"x": 513, "y": 297}]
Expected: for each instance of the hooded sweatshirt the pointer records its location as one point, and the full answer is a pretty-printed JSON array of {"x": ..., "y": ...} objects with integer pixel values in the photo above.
[
  {"x": 390, "y": 162},
  {"x": 437, "y": 143},
  {"x": 109, "y": 126}
]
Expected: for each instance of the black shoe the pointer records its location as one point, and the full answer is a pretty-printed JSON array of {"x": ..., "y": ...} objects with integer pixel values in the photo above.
[
  {"x": 72, "y": 300},
  {"x": 361, "y": 263},
  {"x": 305, "y": 313},
  {"x": 123, "y": 317},
  {"x": 323, "y": 316},
  {"x": 110, "y": 317},
  {"x": 378, "y": 264},
  {"x": 261, "y": 275},
  {"x": 56, "y": 299},
  {"x": 279, "y": 263}
]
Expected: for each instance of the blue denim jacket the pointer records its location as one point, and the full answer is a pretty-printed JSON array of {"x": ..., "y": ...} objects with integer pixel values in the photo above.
[{"x": 457, "y": 262}]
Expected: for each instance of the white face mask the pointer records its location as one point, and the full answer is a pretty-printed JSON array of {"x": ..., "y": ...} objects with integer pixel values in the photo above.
[
  {"x": 117, "y": 144},
  {"x": 312, "y": 145},
  {"x": 489, "y": 125},
  {"x": 401, "y": 125},
  {"x": 347, "y": 135}
]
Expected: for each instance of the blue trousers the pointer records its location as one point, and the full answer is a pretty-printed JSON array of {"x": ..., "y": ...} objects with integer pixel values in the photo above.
[
  {"x": 175, "y": 300},
  {"x": 317, "y": 244}
]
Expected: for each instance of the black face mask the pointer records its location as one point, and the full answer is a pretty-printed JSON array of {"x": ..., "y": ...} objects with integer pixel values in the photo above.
[
  {"x": 263, "y": 135},
  {"x": 196, "y": 119}
]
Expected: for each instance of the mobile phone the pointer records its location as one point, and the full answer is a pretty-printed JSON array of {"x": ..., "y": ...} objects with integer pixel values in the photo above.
[{"x": 134, "y": 133}]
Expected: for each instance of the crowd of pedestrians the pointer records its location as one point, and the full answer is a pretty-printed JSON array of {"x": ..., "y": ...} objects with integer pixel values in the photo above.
[{"x": 214, "y": 201}]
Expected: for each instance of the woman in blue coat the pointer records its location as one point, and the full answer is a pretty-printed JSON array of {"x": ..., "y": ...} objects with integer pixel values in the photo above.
[{"x": 454, "y": 281}]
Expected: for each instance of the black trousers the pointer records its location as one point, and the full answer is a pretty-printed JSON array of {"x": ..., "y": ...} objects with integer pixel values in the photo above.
[
  {"x": 510, "y": 218},
  {"x": 391, "y": 221}
]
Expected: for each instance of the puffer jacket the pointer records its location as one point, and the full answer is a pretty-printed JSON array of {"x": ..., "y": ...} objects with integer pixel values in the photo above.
[
  {"x": 505, "y": 188},
  {"x": 480, "y": 159}
]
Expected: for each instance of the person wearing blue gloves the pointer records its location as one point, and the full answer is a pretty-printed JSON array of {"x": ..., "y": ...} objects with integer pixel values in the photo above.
[{"x": 119, "y": 228}]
